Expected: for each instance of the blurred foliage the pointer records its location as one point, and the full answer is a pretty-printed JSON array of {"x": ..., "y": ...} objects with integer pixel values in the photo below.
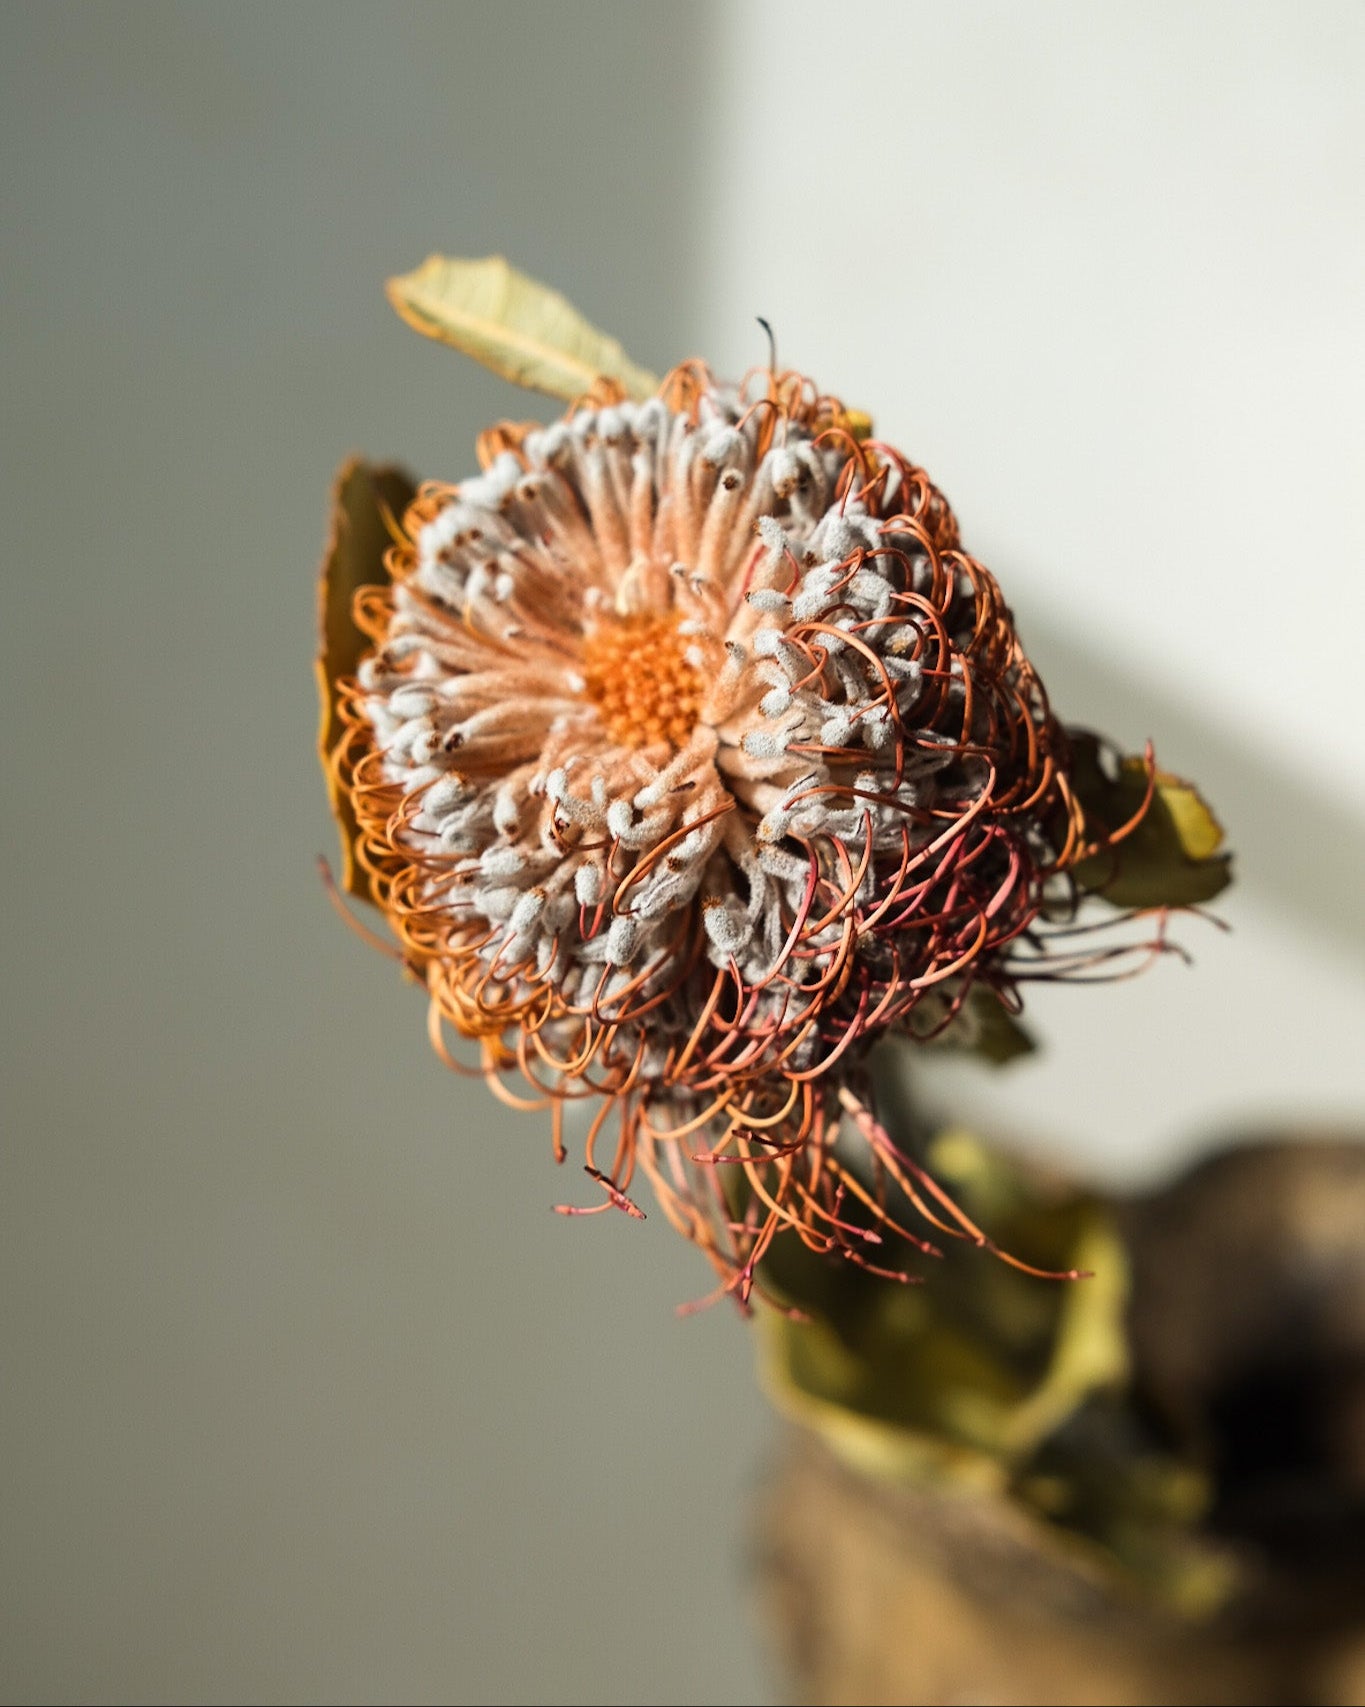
[{"x": 991, "y": 1379}]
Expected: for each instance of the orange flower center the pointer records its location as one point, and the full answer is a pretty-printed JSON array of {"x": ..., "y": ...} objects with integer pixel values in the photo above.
[{"x": 641, "y": 683}]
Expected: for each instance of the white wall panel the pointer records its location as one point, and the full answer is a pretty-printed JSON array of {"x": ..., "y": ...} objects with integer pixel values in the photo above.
[{"x": 1100, "y": 268}]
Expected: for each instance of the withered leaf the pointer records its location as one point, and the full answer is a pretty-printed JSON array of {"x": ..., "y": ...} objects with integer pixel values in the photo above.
[
  {"x": 983, "y": 1027},
  {"x": 996, "y": 1035},
  {"x": 1171, "y": 859},
  {"x": 362, "y": 494},
  {"x": 521, "y": 329},
  {"x": 995, "y": 1384},
  {"x": 966, "y": 1377}
]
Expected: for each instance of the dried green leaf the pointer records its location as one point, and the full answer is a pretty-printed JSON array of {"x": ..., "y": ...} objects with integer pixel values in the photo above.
[
  {"x": 983, "y": 1026},
  {"x": 1090, "y": 1352},
  {"x": 521, "y": 329},
  {"x": 1171, "y": 858},
  {"x": 365, "y": 500},
  {"x": 969, "y": 1374},
  {"x": 989, "y": 1381},
  {"x": 993, "y": 1032}
]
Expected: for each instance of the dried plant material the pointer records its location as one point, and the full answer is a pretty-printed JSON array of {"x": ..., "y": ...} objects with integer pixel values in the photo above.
[
  {"x": 1171, "y": 856},
  {"x": 1192, "y": 1534},
  {"x": 984, "y": 1026},
  {"x": 927, "y": 1592},
  {"x": 968, "y": 1378},
  {"x": 985, "y": 1385},
  {"x": 521, "y": 329},
  {"x": 690, "y": 754},
  {"x": 366, "y": 502}
]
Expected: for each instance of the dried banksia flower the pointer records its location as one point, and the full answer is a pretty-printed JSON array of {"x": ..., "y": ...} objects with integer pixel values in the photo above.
[{"x": 689, "y": 754}]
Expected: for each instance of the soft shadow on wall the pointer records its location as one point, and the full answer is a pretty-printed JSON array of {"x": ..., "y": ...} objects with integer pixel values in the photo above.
[
  {"x": 1258, "y": 1035},
  {"x": 1298, "y": 848}
]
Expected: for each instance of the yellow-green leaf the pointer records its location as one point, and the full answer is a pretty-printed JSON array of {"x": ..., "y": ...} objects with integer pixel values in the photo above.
[
  {"x": 1090, "y": 1351},
  {"x": 1171, "y": 858},
  {"x": 1200, "y": 833},
  {"x": 994, "y": 1383},
  {"x": 362, "y": 497},
  {"x": 982, "y": 1362},
  {"x": 521, "y": 329}
]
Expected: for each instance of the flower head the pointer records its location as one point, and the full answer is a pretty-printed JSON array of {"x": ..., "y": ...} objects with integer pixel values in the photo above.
[{"x": 690, "y": 754}]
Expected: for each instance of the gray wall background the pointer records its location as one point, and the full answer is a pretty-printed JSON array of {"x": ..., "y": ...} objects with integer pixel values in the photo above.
[{"x": 306, "y": 1392}]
